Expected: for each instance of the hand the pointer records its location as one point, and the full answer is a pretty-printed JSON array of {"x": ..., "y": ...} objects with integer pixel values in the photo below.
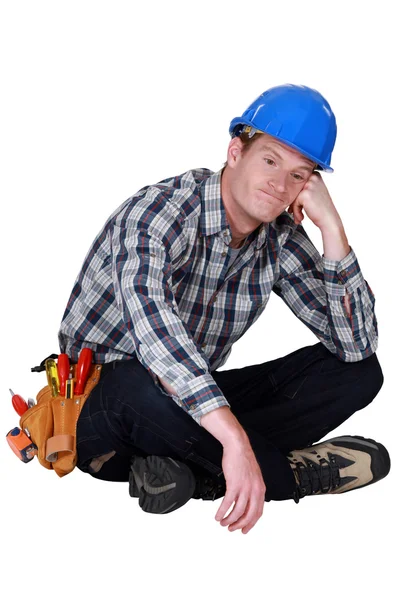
[
  {"x": 244, "y": 487},
  {"x": 317, "y": 203}
]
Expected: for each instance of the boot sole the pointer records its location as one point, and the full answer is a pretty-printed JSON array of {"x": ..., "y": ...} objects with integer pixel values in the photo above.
[{"x": 162, "y": 484}]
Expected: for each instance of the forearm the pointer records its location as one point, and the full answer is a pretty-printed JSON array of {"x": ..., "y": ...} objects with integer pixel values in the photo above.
[
  {"x": 336, "y": 247},
  {"x": 354, "y": 335},
  {"x": 224, "y": 426},
  {"x": 170, "y": 390},
  {"x": 328, "y": 295},
  {"x": 335, "y": 242},
  {"x": 221, "y": 422}
]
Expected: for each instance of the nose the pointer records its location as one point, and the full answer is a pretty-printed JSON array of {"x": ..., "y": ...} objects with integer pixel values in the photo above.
[{"x": 278, "y": 182}]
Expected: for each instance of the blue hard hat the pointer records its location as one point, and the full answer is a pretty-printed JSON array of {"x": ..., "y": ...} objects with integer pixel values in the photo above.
[{"x": 297, "y": 116}]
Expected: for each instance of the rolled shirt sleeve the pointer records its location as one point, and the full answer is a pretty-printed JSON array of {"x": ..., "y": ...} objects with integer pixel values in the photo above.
[
  {"x": 315, "y": 287},
  {"x": 164, "y": 345}
]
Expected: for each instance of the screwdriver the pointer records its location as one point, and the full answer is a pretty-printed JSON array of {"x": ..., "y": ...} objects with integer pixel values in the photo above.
[
  {"x": 63, "y": 371},
  {"x": 69, "y": 388},
  {"x": 82, "y": 370},
  {"x": 19, "y": 404},
  {"x": 52, "y": 376}
]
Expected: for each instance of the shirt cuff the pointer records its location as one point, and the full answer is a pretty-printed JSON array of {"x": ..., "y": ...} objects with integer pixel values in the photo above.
[
  {"x": 342, "y": 276},
  {"x": 198, "y": 396}
]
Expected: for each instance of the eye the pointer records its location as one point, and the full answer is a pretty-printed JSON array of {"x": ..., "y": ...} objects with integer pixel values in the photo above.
[
  {"x": 297, "y": 177},
  {"x": 269, "y": 161}
]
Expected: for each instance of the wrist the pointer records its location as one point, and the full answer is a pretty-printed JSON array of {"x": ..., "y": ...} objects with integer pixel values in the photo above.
[
  {"x": 334, "y": 240},
  {"x": 224, "y": 426},
  {"x": 239, "y": 442},
  {"x": 332, "y": 226}
]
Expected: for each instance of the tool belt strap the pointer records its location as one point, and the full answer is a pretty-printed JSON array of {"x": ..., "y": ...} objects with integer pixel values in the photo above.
[{"x": 59, "y": 443}]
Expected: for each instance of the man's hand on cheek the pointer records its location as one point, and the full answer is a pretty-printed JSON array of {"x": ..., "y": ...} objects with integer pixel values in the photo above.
[{"x": 314, "y": 198}]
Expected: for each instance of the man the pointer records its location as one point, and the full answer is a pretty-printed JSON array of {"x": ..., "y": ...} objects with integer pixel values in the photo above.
[{"x": 178, "y": 274}]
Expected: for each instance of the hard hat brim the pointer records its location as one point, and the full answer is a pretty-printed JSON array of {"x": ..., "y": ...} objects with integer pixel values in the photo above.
[{"x": 320, "y": 165}]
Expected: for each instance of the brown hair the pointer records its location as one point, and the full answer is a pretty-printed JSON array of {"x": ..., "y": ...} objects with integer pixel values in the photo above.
[{"x": 247, "y": 141}]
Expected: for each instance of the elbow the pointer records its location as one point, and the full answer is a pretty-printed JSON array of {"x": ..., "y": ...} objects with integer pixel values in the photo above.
[
  {"x": 170, "y": 390},
  {"x": 359, "y": 352}
]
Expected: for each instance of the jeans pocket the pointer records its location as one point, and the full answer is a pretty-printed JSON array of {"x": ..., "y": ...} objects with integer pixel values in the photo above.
[{"x": 294, "y": 386}]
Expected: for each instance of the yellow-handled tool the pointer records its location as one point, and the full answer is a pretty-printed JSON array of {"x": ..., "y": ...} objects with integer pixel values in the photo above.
[{"x": 52, "y": 376}]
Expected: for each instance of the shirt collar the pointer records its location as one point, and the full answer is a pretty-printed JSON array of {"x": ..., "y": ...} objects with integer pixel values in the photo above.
[{"x": 213, "y": 217}]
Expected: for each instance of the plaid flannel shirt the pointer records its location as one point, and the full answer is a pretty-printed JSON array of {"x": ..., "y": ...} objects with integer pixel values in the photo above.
[{"x": 155, "y": 285}]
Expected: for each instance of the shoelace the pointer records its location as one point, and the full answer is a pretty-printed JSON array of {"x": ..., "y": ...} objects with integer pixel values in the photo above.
[{"x": 323, "y": 477}]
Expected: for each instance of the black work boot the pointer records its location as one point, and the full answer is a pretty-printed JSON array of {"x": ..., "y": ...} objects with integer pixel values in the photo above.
[
  {"x": 163, "y": 484},
  {"x": 209, "y": 487},
  {"x": 338, "y": 465}
]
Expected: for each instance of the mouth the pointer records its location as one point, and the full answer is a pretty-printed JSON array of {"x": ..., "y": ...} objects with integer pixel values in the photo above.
[{"x": 273, "y": 197}]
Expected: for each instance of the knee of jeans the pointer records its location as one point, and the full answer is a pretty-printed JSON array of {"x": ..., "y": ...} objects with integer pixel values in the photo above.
[{"x": 369, "y": 380}]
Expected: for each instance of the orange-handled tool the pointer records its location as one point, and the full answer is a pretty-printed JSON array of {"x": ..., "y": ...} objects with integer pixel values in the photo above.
[
  {"x": 82, "y": 370},
  {"x": 63, "y": 371}
]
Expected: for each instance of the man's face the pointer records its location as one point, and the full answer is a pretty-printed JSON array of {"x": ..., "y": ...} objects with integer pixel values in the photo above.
[{"x": 266, "y": 178}]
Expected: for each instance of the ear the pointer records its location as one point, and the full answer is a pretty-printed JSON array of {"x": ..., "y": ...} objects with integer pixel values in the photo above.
[{"x": 234, "y": 151}]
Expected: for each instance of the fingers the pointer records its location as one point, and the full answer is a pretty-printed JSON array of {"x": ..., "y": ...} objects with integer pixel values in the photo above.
[
  {"x": 227, "y": 502},
  {"x": 237, "y": 512},
  {"x": 298, "y": 216},
  {"x": 245, "y": 488},
  {"x": 249, "y": 519},
  {"x": 245, "y": 514},
  {"x": 296, "y": 210},
  {"x": 243, "y": 521},
  {"x": 297, "y": 213}
]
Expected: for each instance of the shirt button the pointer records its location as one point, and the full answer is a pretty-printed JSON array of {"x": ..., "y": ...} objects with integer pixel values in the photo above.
[
  {"x": 226, "y": 232},
  {"x": 224, "y": 253},
  {"x": 343, "y": 273},
  {"x": 203, "y": 345}
]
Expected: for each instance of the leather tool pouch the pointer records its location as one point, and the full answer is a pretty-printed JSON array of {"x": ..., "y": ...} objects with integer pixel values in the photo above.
[{"x": 52, "y": 425}]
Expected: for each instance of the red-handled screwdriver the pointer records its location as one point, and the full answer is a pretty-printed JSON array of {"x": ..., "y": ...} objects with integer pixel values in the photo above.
[
  {"x": 63, "y": 371},
  {"x": 19, "y": 404},
  {"x": 82, "y": 370}
]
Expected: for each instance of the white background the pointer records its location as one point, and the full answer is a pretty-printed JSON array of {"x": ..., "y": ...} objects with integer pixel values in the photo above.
[{"x": 99, "y": 99}]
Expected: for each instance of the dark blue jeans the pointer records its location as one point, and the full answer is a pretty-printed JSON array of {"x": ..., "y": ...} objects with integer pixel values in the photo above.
[{"x": 284, "y": 404}]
